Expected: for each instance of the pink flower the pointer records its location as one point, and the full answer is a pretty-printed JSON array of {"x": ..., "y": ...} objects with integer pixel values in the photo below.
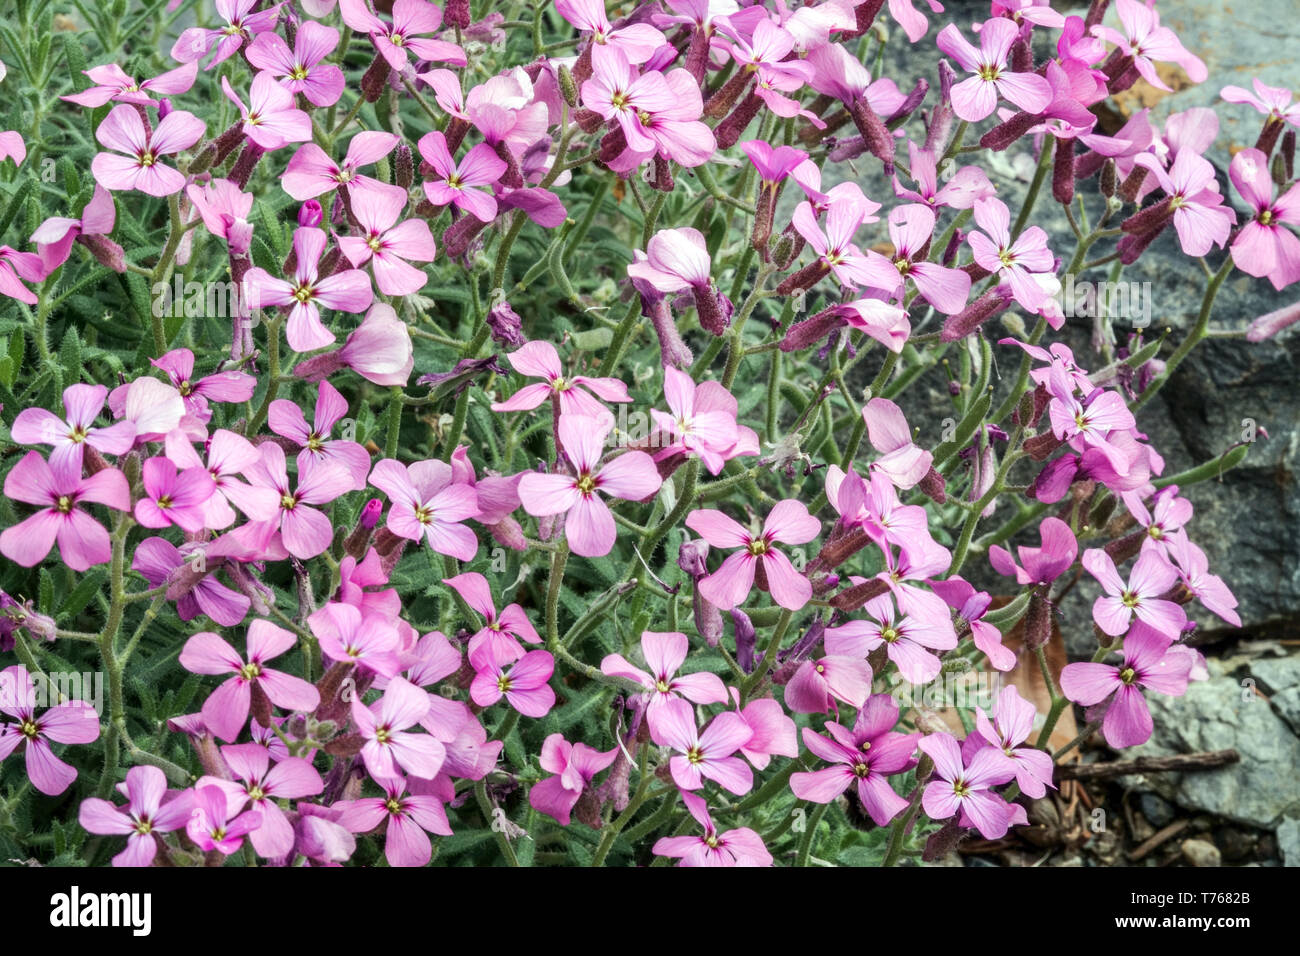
[
  {"x": 901, "y": 461},
  {"x": 589, "y": 525},
  {"x": 426, "y": 503},
  {"x": 1167, "y": 514},
  {"x": 909, "y": 639},
  {"x": 538, "y": 359},
  {"x": 145, "y": 815},
  {"x": 967, "y": 789},
  {"x": 1039, "y": 565},
  {"x": 228, "y": 455},
  {"x": 349, "y": 636},
  {"x": 703, "y": 421},
  {"x": 816, "y": 685},
  {"x": 69, "y": 436},
  {"x": 574, "y": 766},
  {"x": 261, "y": 786},
  {"x": 396, "y": 40},
  {"x": 229, "y": 386},
  {"x": 864, "y": 756},
  {"x": 976, "y": 97},
  {"x": 224, "y": 208},
  {"x": 311, "y": 172},
  {"x": 1273, "y": 101},
  {"x": 379, "y": 349},
  {"x": 971, "y": 605},
  {"x": 497, "y": 637},
  {"x": 1012, "y": 723},
  {"x": 967, "y": 185},
  {"x": 387, "y": 244},
  {"x": 141, "y": 168},
  {"x": 210, "y": 825},
  {"x": 676, "y": 260},
  {"x": 664, "y": 654},
  {"x": 1142, "y": 597},
  {"x": 407, "y": 816},
  {"x": 1194, "y": 568},
  {"x": 285, "y": 418},
  {"x": 240, "y": 22},
  {"x": 305, "y": 530},
  {"x": 910, "y": 230},
  {"x": 270, "y": 119},
  {"x": 707, "y": 755},
  {"x": 787, "y": 523},
  {"x": 738, "y": 847},
  {"x": 454, "y": 184},
  {"x": 1092, "y": 423},
  {"x": 112, "y": 83},
  {"x": 1150, "y": 660},
  {"x": 1200, "y": 216},
  {"x": 226, "y": 709},
  {"x": 834, "y": 246},
  {"x": 1016, "y": 261},
  {"x": 1147, "y": 41},
  {"x": 173, "y": 497},
  {"x": 303, "y": 70},
  {"x": 161, "y": 562},
  {"x": 388, "y": 745},
  {"x": 59, "y": 491},
  {"x": 1264, "y": 246},
  {"x": 637, "y": 41},
  {"x": 523, "y": 683},
  {"x": 15, "y": 264},
  {"x": 74, "y": 722}
]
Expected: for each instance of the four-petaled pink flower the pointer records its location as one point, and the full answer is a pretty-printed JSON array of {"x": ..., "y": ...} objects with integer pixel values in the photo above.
[
  {"x": 1150, "y": 660},
  {"x": 455, "y": 182},
  {"x": 145, "y": 815},
  {"x": 142, "y": 168},
  {"x": 909, "y": 639},
  {"x": 229, "y": 386},
  {"x": 500, "y": 634},
  {"x": 574, "y": 766},
  {"x": 901, "y": 461},
  {"x": 834, "y": 246},
  {"x": 305, "y": 531},
  {"x": 864, "y": 756},
  {"x": 59, "y": 491},
  {"x": 70, "y": 436},
  {"x": 312, "y": 173},
  {"x": 523, "y": 683},
  {"x": 1016, "y": 261},
  {"x": 112, "y": 83},
  {"x": 664, "y": 653},
  {"x": 286, "y": 419},
  {"x": 261, "y": 785},
  {"x": 388, "y": 244},
  {"x": 226, "y": 709},
  {"x": 1147, "y": 41},
  {"x": 271, "y": 120},
  {"x": 396, "y": 40},
  {"x": 241, "y": 23},
  {"x": 707, "y": 755},
  {"x": 1264, "y": 246},
  {"x": 302, "y": 70},
  {"x": 215, "y": 821},
  {"x": 388, "y": 744},
  {"x": 74, "y": 722},
  {"x": 703, "y": 421},
  {"x": 173, "y": 497},
  {"x": 427, "y": 503},
  {"x": 976, "y": 97},
  {"x": 589, "y": 524},
  {"x": 1142, "y": 597},
  {"x": 1012, "y": 722},
  {"x": 967, "y": 788},
  {"x": 538, "y": 359},
  {"x": 407, "y": 816},
  {"x": 1201, "y": 218},
  {"x": 738, "y": 847},
  {"x": 787, "y": 523},
  {"x": 910, "y": 229}
]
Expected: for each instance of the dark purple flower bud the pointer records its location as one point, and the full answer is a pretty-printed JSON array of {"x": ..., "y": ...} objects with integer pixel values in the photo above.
[
  {"x": 245, "y": 164},
  {"x": 973, "y": 316},
  {"x": 455, "y": 13},
  {"x": 1007, "y": 132},
  {"x": 310, "y": 214},
  {"x": 106, "y": 252},
  {"x": 1131, "y": 247},
  {"x": 1038, "y": 619},
  {"x": 953, "y": 247},
  {"x": 375, "y": 78},
  {"x": 1108, "y": 184},
  {"x": 458, "y": 237},
  {"x": 806, "y": 334},
  {"x": 403, "y": 166},
  {"x": 708, "y": 619},
  {"x": 932, "y": 486},
  {"x": 691, "y": 555},
  {"x": 164, "y": 108},
  {"x": 1288, "y": 154},
  {"x": 805, "y": 278},
  {"x": 720, "y": 103},
  {"x": 714, "y": 309},
  {"x": 729, "y": 130},
  {"x": 1150, "y": 219},
  {"x": 909, "y": 105},
  {"x": 878, "y": 138},
  {"x": 746, "y": 639},
  {"x": 506, "y": 325}
]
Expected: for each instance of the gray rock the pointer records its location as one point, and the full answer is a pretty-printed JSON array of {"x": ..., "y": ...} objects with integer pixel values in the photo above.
[
  {"x": 1279, "y": 677},
  {"x": 1201, "y": 853},
  {"x": 1288, "y": 842},
  {"x": 1216, "y": 715},
  {"x": 1156, "y": 809}
]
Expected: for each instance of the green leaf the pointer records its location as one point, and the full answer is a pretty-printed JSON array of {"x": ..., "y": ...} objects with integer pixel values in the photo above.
[
  {"x": 70, "y": 354},
  {"x": 82, "y": 594},
  {"x": 46, "y": 600}
]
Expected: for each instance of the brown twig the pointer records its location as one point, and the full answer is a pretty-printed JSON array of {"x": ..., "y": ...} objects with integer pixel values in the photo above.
[
  {"x": 1179, "y": 762},
  {"x": 1162, "y": 836}
]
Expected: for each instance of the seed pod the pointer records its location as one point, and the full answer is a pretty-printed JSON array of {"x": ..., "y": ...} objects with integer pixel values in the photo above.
[
  {"x": 403, "y": 166},
  {"x": 568, "y": 88},
  {"x": 1063, "y": 172}
]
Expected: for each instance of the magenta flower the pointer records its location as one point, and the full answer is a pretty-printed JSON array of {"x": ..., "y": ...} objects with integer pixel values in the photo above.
[
  {"x": 231, "y": 386},
  {"x": 1150, "y": 660},
  {"x": 1194, "y": 569},
  {"x": 144, "y": 816},
  {"x": 1167, "y": 513},
  {"x": 574, "y": 766},
  {"x": 664, "y": 654},
  {"x": 787, "y": 523},
  {"x": 260, "y": 786},
  {"x": 405, "y": 35},
  {"x": 141, "y": 168},
  {"x": 909, "y": 639},
  {"x": 636, "y": 41},
  {"x": 302, "y": 70},
  {"x": 173, "y": 497},
  {"x": 1147, "y": 42},
  {"x": 676, "y": 260},
  {"x": 211, "y": 826},
  {"x": 499, "y": 636},
  {"x": 59, "y": 491},
  {"x": 976, "y": 97},
  {"x": 427, "y": 503},
  {"x": 1200, "y": 216},
  {"x": 523, "y": 683},
  {"x": 967, "y": 185},
  {"x": 1011, "y": 724},
  {"x": 15, "y": 265},
  {"x": 74, "y": 722},
  {"x": 1093, "y": 423},
  {"x": 241, "y": 23},
  {"x": 271, "y": 120},
  {"x": 407, "y": 816},
  {"x": 379, "y": 349},
  {"x": 865, "y": 755},
  {"x": 817, "y": 684},
  {"x": 113, "y": 84},
  {"x": 588, "y": 525},
  {"x": 538, "y": 359},
  {"x": 1039, "y": 565},
  {"x": 1016, "y": 261},
  {"x": 707, "y": 755},
  {"x": 874, "y": 507},
  {"x": 69, "y": 436},
  {"x": 304, "y": 530},
  {"x": 387, "y": 244},
  {"x": 1273, "y": 101},
  {"x": 971, "y": 605},
  {"x": 1142, "y": 597},
  {"x": 228, "y": 455},
  {"x": 901, "y": 461},
  {"x": 311, "y": 172},
  {"x": 226, "y": 709},
  {"x": 1264, "y": 246},
  {"x": 455, "y": 182},
  {"x": 773, "y": 163},
  {"x": 286, "y": 419},
  {"x": 910, "y": 230},
  {"x": 388, "y": 745},
  {"x": 368, "y": 641},
  {"x": 738, "y": 847},
  {"x": 702, "y": 421},
  {"x": 967, "y": 788},
  {"x": 157, "y": 559}
]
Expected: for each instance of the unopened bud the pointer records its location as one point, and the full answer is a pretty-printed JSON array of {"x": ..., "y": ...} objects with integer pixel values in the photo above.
[
  {"x": 310, "y": 214},
  {"x": 568, "y": 88},
  {"x": 403, "y": 166},
  {"x": 1108, "y": 182}
]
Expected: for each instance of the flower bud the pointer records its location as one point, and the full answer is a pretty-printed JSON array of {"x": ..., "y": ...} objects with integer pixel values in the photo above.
[
  {"x": 1269, "y": 134},
  {"x": 691, "y": 556},
  {"x": 932, "y": 486},
  {"x": 403, "y": 166},
  {"x": 164, "y": 108},
  {"x": 375, "y": 78},
  {"x": 568, "y": 89},
  {"x": 1063, "y": 172},
  {"x": 455, "y": 13},
  {"x": 1278, "y": 170},
  {"x": 746, "y": 639},
  {"x": 1108, "y": 183},
  {"x": 310, "y": 214}
]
